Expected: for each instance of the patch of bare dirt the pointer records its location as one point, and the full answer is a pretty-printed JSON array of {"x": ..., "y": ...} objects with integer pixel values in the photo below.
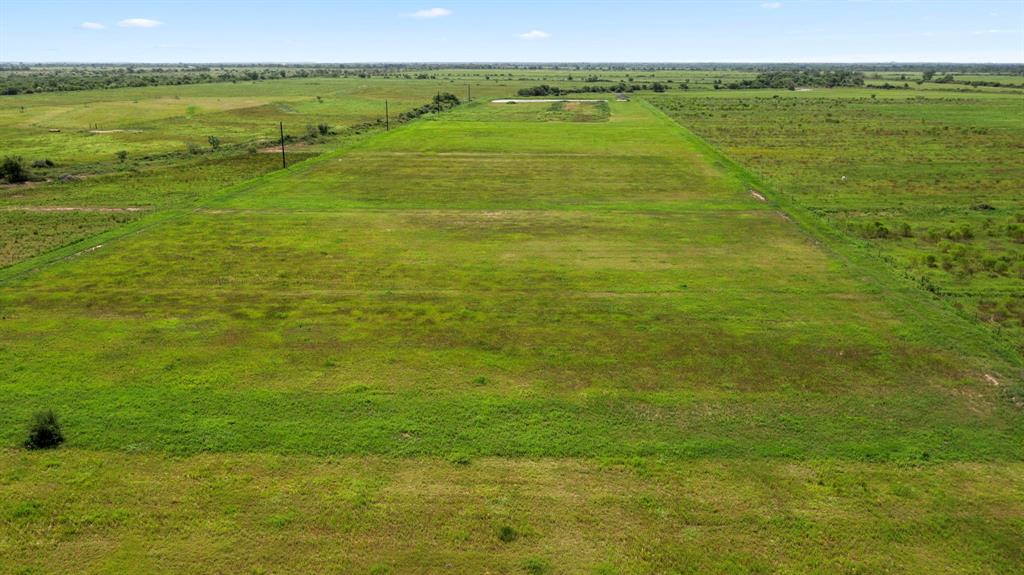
[
  {"x": 86, "y": 250},
  {"x": 758, "y": 195},
  {"x": 276, "y": 149},
  {"x": 21, "y": 185}
]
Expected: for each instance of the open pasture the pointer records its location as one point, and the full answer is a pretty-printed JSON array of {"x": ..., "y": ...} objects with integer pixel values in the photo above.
[
  {"x": 494, "y": 339},
  {"x": 169, "y": 160},
  {"x": 930, "y": 182},
  {"x": 94, "y": 124}
]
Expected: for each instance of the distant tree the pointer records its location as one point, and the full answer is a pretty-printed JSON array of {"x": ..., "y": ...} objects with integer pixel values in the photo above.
[
  {"x": 927, "y": 75},
  {"x": 445, "y": 100}
]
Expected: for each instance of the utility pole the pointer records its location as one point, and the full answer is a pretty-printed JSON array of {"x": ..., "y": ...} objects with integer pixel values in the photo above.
[
  {"x": 284, "y": 163},
  {"x": 387, "y": 118}
]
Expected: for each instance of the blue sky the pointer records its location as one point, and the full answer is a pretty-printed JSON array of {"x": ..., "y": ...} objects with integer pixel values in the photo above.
[{"x": 523, "y": 31}]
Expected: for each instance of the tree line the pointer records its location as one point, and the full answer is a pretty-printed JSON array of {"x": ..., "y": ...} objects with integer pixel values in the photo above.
[
  {"x": 549, "y": 90},
  {"x": 792, "y": 79}
]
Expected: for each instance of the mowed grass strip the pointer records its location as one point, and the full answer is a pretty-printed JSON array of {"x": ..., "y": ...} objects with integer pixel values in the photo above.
[{"x": 485, "y": 156}]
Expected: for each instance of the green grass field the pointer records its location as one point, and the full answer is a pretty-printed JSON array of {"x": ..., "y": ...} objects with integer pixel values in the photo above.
[
  {"x": 507, "y": 338},
  {"x": 82, "y": 132}
]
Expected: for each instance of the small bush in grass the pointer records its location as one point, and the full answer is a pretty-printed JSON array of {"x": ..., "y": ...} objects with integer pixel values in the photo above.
[
  {"x": 45, "y": 431},
  {"x": 122, "y": 155},
  {"x": 536, "y": 566},
  {"x": 14, "y": 170},
  {"x": 507, "y": 534}
]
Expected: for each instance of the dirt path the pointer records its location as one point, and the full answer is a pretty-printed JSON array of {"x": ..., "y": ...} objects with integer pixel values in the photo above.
[
  {"x": 70, "y": 209},
  {"x": 551, "y": 100}
]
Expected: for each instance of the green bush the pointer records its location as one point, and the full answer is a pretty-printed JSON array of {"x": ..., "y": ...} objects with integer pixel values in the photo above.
[
  {"x": 536, "y": 566},
  {"x": 14, "y": 170},
  {"x": 45, "y": 431},
  {"x": 507, "y": 534}
]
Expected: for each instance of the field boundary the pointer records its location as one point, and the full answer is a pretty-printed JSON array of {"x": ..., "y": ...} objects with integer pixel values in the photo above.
[{"x": 945, "y": 325}]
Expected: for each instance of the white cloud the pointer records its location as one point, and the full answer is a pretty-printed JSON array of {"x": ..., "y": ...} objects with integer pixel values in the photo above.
[
  {"x": 534, "y": 35},
  {"x": 92, "y": 26},
  {"x": 430, "y": 13},
  {"x": 139, "y": 23},
  {"x": 990, "y": 32},
  {"x": 772, "y": 5}
]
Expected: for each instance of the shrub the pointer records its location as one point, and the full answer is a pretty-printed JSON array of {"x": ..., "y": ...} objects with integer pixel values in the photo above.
[
  {"x": 1015, "y": 232},
  {"x": 324, "y": 129},
  {"x": 47, "y": 163},
  {"x": 13, "y": 168},
  {"x": 507, "y": 534},
  {"x": 536, "y": 566},
  {"x": 542, "y": 90},
  {"x": 214, "y": 142},
  {"x": 192, "y": 148},
  {"x": 122, "y": 156},
  {"x": 45, "y": 431},
  {"x": 963, "y": 232}
]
